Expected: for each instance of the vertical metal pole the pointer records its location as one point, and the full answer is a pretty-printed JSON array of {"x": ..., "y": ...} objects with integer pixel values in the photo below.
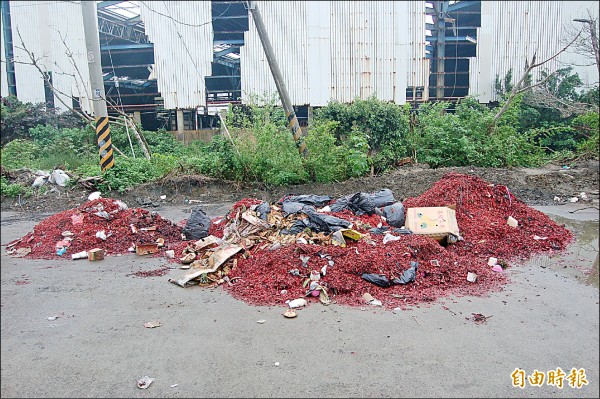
[
  {"x": 92, "y": 44},
  {"x": 440, "y": 8},
  {"x": 292, "y": 120},
  {"x": 8, "y": 49}
]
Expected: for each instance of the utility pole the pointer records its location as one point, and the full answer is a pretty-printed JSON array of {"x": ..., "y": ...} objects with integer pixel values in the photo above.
[
  {"x": 292, "y": 120},
  {"x": 592, "y": 27},
  {"x": 92, "y": 44},
  {"x": 440, "y": 8}
]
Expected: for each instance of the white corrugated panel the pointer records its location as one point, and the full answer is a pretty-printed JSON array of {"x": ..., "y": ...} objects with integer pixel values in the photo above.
[
  {"x": 183, "y": 49},
  {"x": 42, "y": 27},
  {"x": 512, "y": 32},
  {"x": 352, "y": 49},
  {"x": 286, "y": 24},
  {"x": 26, "y": 19},
  {"x": 70, "y": 71}
]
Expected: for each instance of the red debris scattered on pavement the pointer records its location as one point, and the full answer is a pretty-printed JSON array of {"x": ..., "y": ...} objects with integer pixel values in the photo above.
[
  {"x": 263, "y": 277},
  {"x": 150, "y": 273},
  {"x": 88, "y": 219}
]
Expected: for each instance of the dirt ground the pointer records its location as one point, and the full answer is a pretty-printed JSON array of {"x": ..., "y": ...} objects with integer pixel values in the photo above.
[
  {"x": 75, "y": 328},
  {"x": 536, "y": 186}
]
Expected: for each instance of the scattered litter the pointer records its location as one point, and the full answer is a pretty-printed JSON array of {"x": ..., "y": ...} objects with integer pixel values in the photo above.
[
  {"x": 174, "y": 385},
  {"x": 415, "y": 317},
  {"x": 297, "y": 303},
  {"x": 59, "y": 177},
  {"x": 390, "y": 237},
  {"x": 478, "y": 318},
  {"x": 79, "y": 255},
  {"x": 52, "y": 318},
  {"x": 492, "y": 261},
  {"x": 101, "y": 235},
  {"x": 261, "y": 321},
  {"x": 145, "y": 249},
  {"x": 95, "y": 254},
  {"x": 537, "y": 238},
  {"x": 94, "y": 196},
  {"x": 512, "y": 222},
  {"x": 583, "y": 196},
  {"x": 163, "y": 197},
  {"x": 152, "y": 324},
  {"x": 290, "y": 313},
  {"x": 497, "y": 268},
  {"x": 144, "y": 382},
  {"x": 573, "y": 199},
  {"x": 276, "y": 364},
  {"x": 409, "y": 275},
  {"x": 170, "y": 254},
  {"x": 557, "y": 199},
  {"x": 471, "y": 277}
]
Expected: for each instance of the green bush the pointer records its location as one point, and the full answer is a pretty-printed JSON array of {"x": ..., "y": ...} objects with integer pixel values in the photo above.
[
  {"x": 587, "y": 127},
  {"x": 325, "y": 161},
  {"x": 20, "y": 153},
  {"x": 383, "y": 124},
  {"x": 13, "y": 189}
]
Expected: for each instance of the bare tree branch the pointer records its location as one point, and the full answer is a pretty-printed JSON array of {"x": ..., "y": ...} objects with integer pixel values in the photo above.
[
  {"x": 35, "y": 63},
  {"x": 520, "y": 87}
]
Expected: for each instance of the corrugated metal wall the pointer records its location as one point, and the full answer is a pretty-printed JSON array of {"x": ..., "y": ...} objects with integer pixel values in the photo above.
[
  {"x": 183, "y": 49},
  {"x": 26, "y": 28},
  {"x": 42, "y": 28},
  {"x": 511, "y": 32},
  {"x": 352, "y": 49},
  {"x": 70, "y": 68}
]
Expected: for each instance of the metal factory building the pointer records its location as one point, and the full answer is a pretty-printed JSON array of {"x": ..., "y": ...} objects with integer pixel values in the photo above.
[{"x": 172, "y": 64}]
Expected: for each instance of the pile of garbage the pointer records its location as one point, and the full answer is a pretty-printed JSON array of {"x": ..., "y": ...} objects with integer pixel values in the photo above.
[
  {"x": 102, "y": 223},
  {"x": 364, "y": 249},
  {"x": 357, "y": 250}
]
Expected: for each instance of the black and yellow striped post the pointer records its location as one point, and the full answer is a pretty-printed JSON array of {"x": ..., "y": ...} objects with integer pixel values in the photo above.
[
  {"x": 294, "y": 126},
  {"x": 89, "y": 14},
  {"x": 104, "y": 143}
]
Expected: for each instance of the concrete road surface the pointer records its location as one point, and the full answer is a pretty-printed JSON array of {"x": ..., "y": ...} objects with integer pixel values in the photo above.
[{"x": 210, "y": 344}]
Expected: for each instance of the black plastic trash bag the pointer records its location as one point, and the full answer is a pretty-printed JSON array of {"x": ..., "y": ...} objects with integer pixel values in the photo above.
[
  {"x": 320, "y": 222},
  {"x": 394, "y": 214},
  {"x": 377, "y": 279},
  {"x": 290, "y": 207},
  {"x": 263, "y": 210},
  {"x": 310, "y": 199},
  {"x": 364, "y": 203},
  {"x": 381, "y": 198},
  {"x": 409, "y": 275},
  {"x": 297, "y": 227},
  {"x": 317, "y": 222},
  {"x": 196, "y": 227}
]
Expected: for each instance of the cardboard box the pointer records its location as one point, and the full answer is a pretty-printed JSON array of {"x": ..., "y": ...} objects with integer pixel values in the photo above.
[
  {"x": 95, "y": 254},
  {"x": 145, "y": 249},
  {"x": 434, "y": 222}
]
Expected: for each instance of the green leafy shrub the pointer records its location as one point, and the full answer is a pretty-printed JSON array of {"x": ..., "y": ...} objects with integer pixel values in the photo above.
[
  {"x": 12, "y": 190},
  {"x": 325, "y": 161},
  {"x": 383, "y": 124},
  {"x": 19, "y": 153},
  {"x": 587, "y": 127}
]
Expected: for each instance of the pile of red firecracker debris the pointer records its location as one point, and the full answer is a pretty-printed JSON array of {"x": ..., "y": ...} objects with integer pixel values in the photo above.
[
  {"x": 263, "y": 275},
  {"x": 77, "y": 229}
]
